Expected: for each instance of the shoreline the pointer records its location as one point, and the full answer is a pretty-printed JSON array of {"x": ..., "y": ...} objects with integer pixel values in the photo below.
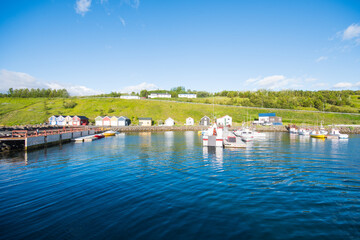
[{"x": 4, "y": 130}]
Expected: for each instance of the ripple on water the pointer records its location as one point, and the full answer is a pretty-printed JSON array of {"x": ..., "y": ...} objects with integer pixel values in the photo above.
[{"x": 166, "y": 186}]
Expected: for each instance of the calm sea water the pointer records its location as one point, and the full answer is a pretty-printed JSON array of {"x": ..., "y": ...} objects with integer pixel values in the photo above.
[{"x": 166, "y": 186}]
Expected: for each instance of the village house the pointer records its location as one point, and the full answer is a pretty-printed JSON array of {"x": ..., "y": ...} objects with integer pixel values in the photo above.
[
  {"x": 99, "y": 121},
  {"x": 159, "y": 95},
  {"x": 145, "y": 121},
  {"x": 69, "y": 120},
  {"x": 205, "y": 121},
  {"x": 186, "y": 95},
  {"x": 224, "y": 121},
  {"x": 52, "y": 120},
  {"x": 60, "y": 121},
  {"x": 169, "y": 122},
  {"x": 189, "y": 121},
  {"x": 106, "y": 122},
  {"x": 268, "y": 118},
  {"x": 80, "y": 120},
  {"x": 124, "y": 121},
  {"x": 114, "y": 121}
]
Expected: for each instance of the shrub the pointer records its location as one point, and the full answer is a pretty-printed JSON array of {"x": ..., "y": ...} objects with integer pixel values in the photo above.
[{"x": 70, "y": 104}]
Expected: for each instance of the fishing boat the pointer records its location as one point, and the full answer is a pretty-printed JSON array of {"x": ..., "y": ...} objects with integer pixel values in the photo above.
[
  {"x": 304, "y": 132},
  {"x": 336, "y": 133},
  {"x": 109, "y": 133},
  {"x": 321, "y": 133},
  {"x": 245, "y": 134},
  {"x": 213, "y": 136},
  {"x": 233, "y": 141},
  {"x": 99, "y": 136},
  {"x": 293, "y": 129}
]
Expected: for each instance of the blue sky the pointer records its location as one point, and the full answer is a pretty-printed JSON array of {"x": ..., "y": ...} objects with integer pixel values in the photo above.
[{"x": 124, "y": 45}]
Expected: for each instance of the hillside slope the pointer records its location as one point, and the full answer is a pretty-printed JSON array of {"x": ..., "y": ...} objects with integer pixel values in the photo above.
[{"x": 19, "y": 111}]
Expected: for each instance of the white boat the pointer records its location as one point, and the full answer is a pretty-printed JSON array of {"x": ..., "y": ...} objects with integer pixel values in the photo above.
[
  {"x": 304, "y": 132},
  {"x": 293, "y": 130},
  {"x": 109, "y": 133},
  {"x": 336, "y": 133},
  {"x": 233, "y": 141},
  {"x": 259, "y": 134},
  {"x": 245, "y": 134},
  {"x": 213, "y": 137}
]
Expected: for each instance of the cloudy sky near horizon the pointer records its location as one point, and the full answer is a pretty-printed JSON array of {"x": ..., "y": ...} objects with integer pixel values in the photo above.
[{"x": 99, "y": 46}]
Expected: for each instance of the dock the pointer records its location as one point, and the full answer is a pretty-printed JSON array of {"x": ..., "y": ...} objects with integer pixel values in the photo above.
[{"x": 27, "y": 140}]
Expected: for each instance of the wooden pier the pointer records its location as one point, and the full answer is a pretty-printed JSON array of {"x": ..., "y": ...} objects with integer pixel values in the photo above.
[{"x": 26, "y": 140}]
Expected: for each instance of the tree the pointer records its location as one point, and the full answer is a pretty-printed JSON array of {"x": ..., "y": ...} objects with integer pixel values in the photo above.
[{"x": 144, "y": 93}]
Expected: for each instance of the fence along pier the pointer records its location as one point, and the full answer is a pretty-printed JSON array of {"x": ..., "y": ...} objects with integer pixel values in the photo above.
[{"x": 27, "y": 140}]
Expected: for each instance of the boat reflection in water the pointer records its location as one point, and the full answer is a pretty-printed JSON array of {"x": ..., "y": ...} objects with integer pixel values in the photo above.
[
  {"x": 145, "y": 139},
  {"x": 169, "y": 139},
  {"x": 189, "y": 139},
  {"x": 215, "y": 156}
]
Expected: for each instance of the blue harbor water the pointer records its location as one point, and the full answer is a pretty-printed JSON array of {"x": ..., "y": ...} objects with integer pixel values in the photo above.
[{"x": 166, "y": 186}]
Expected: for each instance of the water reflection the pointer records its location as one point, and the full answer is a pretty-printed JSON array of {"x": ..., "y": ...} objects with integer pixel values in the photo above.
[
  {"x": 145, "y": 139},
  {"x": 169, "y": 139},
  {"x": 189, "y": 138},
  {"x": 215, "y": 156}
]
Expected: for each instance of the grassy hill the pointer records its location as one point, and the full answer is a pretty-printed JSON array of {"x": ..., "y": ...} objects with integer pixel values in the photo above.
[{"x": 19, "y": 111}]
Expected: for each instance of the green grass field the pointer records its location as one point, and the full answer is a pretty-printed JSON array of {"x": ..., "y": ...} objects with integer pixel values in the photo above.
[{"x": 20, "y": 111}]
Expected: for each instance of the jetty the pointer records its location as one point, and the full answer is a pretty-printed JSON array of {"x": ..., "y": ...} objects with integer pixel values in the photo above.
[{"x": 27, "y": 140}]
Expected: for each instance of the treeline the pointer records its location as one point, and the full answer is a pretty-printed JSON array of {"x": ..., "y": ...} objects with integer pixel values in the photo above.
[
  {"x": 291, "y": 99},
  {"x": 36, "y": 93}
]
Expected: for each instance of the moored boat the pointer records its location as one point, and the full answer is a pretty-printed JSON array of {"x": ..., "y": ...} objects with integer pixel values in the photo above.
[
  {"x": 109, "y": 133},
  {"x": 304, "y": 132},
  {"x": 336, "y": 133},
  {"x": 98, "y": 136}
]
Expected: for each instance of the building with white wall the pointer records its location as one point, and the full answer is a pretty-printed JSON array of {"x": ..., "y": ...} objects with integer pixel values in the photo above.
[
  {"x": 186, "y": 95},
  {"x": 224, "y": 121},
  {"x": 169, "y": 122},
  {"x": 189, "y": 121},
  {"x": 129, "y": 97},
  {"x": 159, "y": 95}
]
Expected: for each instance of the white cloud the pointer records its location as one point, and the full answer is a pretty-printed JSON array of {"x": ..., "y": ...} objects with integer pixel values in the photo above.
[
  {"x": 19, "y": 80},
  {"x": 122, "y": 21},
  {"x": 346, "y": 85},
  {"x": 271, "y": 82},
  {"x": 280, "y": 82},
  {"x": 82, "y": 6},
  {"x": 139, "y": 87},
  {"x": 353, "y": 31},
  {"x": 322, "y": 58},
  {"x": 132, "y": 3}
]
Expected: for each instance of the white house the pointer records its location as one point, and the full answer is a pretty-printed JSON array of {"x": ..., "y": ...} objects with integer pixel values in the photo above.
[
  {"x": 169, "y": 122},
  {"x": 114, "y": 121},
  {"x": 129, "y": 97},
  {"x": 124, "y": 121},
  {"x": 159, "y": 95},
  {"x": 265, "y": 117},
  {"x": 99, "y": 121},
  {"x": 189, "y": 121},
  {"x": 186, "y": 95},
  {"x": 60, "y": 120},
  {"x": 224, "y": 121},
  {"x": 69, "y": 120}
]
